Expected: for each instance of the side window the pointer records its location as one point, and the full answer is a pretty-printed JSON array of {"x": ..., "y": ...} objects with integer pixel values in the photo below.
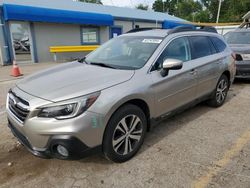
[
  {"x": 201, "y": 47},
  {"x": 176, "y": 49},
  {"x": 219, "y": 44}
]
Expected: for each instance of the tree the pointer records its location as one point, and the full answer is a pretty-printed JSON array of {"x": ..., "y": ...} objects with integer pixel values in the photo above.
[
  {"x": 204, "y": 10},
  {"x": 168, "y": 6},
  {"x": 188, "y": 9},
  {"x": 202, "y": 16},
  {"x": 212, "y": 7},
  {"x": 231, "y": 10},
  {"x": 142, "y": 7},
  {"x": 91, "y": 1},
  {"x": 158, "y": 6}
]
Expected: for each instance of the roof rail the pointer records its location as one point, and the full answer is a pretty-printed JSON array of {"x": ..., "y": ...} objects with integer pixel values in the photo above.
[
  {"x": 142, "y": 29},
  {"x": 208, "y": 29},
  {"x": 181, "y": 29},
  {"x": 192, "y": 28},
  {"x": 178, "y": 29}
]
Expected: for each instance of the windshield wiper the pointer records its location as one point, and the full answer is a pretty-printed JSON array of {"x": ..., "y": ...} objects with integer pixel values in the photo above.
[
  {"x": 103, "y": 65},
  {"x": 82, "y": 60}
]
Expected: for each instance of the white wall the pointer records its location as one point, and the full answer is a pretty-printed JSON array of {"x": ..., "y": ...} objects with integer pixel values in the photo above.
[
  {"x": 48, "y": 34},
  {"x": 147, "y": 24},
  {"x": 104, "y": 34},
  {"x": 126, "y": 25},
  {"x": 51, "y": 34}
]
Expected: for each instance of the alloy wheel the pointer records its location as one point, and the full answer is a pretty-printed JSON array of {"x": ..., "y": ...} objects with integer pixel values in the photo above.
[
  {"x": 127, "y": 134},
  {"x": 221, "y": 91}
]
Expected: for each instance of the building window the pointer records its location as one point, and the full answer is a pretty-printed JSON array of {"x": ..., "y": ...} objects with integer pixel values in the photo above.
[{"x": 90, "y": 35}]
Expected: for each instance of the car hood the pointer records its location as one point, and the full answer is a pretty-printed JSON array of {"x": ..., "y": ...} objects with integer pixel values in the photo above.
[
  {"x": 241, "y": 48},
  {"x": 72, "y": 80}
]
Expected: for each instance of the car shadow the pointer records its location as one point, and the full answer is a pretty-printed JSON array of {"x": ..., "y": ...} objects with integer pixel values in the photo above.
[
  {"x": 242, "y": 81},
  {"x": 170, "y": 125}
]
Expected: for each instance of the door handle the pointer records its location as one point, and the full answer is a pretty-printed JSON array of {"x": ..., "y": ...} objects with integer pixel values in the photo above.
[{"x": 193, "y": 71}]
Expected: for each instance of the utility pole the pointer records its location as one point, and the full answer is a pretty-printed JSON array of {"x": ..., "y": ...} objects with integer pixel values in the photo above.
[
  {"x": 163, "y": 8},
  {"x": 218, "y": 14},
  {"x": 178, "y": 8}
]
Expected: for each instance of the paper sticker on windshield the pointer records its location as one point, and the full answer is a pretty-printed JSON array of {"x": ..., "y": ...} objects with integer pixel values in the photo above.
[{"x": 155, "y": 41}]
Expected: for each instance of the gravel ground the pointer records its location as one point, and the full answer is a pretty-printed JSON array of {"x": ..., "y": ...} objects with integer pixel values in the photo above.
[{"x": 201, "y": 147}]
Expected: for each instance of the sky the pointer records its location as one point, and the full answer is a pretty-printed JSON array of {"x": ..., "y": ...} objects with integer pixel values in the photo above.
[{"x": 127, "y": 3}]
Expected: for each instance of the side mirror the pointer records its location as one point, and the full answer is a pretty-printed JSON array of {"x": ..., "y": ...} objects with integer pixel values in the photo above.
[{"x": 170, "y": 64}]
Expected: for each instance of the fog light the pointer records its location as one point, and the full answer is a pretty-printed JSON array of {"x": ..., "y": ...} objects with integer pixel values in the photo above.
[{"x": 62, "y": 151}]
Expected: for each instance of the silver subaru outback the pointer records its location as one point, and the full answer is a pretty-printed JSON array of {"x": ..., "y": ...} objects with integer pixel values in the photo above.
[{"x": 110, "y": 99}]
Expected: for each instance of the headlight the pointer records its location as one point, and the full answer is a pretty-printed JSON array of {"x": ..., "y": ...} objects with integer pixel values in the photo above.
[{"x": 68, "y": 109}]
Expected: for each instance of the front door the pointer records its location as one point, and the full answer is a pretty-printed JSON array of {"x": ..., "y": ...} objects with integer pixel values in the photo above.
[
  {"x": 21, "y": 41},
  {"x": 179, "y": 86}
]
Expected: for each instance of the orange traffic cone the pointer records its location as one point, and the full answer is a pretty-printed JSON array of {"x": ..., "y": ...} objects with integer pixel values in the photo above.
[{"x": 15, "y": 70}]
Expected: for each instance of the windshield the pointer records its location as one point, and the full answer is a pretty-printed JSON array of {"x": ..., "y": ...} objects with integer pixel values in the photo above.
[
  {"x": 238, "y": 38},
  {"x": 127, "y": 52}
]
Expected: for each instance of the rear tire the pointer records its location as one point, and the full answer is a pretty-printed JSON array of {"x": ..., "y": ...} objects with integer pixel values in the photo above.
[
  {"x": 124, "y": 133},
  {"x": 220, "y": 93}
]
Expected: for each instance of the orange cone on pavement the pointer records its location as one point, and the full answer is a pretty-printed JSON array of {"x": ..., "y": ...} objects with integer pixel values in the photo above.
[{"x": 15, "y": 70}]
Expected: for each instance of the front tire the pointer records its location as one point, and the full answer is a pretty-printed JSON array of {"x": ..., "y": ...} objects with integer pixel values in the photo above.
[
  {"x": 219, "y": 95},
  {"x": 124, "y": 133}
]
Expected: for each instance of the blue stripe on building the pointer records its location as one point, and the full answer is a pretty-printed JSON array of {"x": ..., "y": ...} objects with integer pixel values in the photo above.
[{"x": 37, "y": 14}]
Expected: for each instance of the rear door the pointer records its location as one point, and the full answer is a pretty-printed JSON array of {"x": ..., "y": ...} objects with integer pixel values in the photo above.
[
  {"x": 204, "y": 54},
  {"x": 179, "y": 86}
]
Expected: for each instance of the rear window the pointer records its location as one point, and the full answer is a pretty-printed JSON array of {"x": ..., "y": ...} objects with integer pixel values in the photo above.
[
  {"x": 201, "y": 46},
  {"x": 219, "y": 44},
  {"x": 238, "y": 37}
]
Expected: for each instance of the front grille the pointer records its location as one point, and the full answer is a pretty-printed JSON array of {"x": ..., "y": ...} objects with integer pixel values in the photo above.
[
  {"x": 19, "y": 135},
  {"x": 18, "y": 106}
]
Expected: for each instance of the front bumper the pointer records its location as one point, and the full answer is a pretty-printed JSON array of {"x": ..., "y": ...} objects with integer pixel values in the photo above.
[
  {"x": 242, "y": 69},
  {"x": 80, "y": 135},
  {"x": 75, "y": 147}
]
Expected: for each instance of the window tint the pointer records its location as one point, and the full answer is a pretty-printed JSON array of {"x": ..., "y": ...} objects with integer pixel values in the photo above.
[
  {"x": 201, "y": 47},
  {"x": 219, "y": 44},
  {"x": 176, "y": 49}
]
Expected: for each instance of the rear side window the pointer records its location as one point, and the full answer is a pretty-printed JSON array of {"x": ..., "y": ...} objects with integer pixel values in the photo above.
[
  {"x": 201, "y": 46},
  {"x": 219, "y": 44}
]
